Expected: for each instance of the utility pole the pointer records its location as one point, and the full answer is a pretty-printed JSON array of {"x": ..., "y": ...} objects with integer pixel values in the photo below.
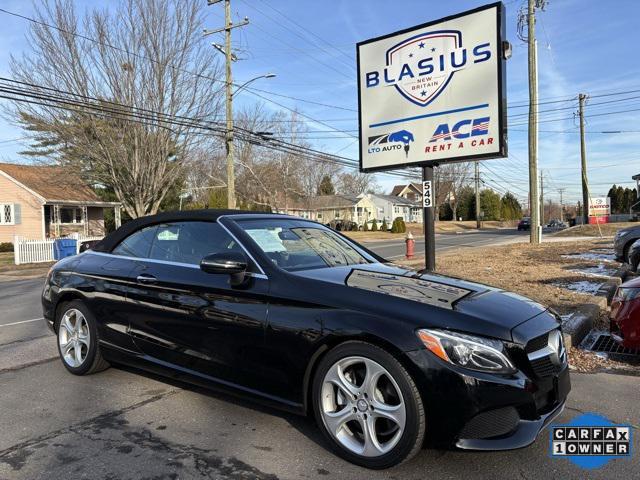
[
  {"x": 561, "y": 191},
  {"x": 229, "y": 56},
  {"x": 541, "y": 199},
  {"x": 583, "y": 154},
  {"x": 528, "y": 19},
  {"x": 477, "y": 194}
]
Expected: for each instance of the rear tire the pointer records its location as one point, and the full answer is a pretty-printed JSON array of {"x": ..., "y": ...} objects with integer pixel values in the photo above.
[
  {"x": 368, "y": 406},
  {"x": 77, "y": 339}
]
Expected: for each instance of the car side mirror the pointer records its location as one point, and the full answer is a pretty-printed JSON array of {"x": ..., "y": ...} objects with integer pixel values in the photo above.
[{"x": 230, "y": 263}]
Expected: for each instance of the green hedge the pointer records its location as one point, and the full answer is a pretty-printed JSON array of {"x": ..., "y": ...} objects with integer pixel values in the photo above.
[{"x": 6, "y": 247}]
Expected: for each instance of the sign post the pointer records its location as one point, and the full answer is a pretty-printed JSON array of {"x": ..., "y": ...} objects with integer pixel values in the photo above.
[
  {"x": 428, "y": 200},
  {"x": 431, "y": 95}
]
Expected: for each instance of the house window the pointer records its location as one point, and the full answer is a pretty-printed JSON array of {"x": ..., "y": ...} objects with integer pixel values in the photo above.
[
  {"x": 319, "y": 215},
  {"x": 7, "y": 214},
  {"x": 70, "y": 215},
  {"x": 396, "y": 209}
]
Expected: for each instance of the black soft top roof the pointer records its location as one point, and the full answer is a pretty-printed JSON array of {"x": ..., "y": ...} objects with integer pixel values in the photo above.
[{"x": 109, "y": 242}]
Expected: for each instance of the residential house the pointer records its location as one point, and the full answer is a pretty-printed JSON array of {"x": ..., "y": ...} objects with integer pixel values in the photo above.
[
  {"x": 325, "y": 208},
  {"x": 390, "y": 207},
  {"x": 410, "y": 191},
  {"x": 39, "y": 202}
]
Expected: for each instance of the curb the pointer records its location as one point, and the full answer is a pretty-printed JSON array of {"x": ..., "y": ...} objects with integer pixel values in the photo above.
[{"x": 578, "y": 326}]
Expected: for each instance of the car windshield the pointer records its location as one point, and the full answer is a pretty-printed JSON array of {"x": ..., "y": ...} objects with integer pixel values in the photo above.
[{"x": 299, "y": 245}]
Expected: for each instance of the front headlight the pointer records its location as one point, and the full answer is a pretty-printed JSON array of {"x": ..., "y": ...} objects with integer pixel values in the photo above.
[{"x": 468, "y": 351}]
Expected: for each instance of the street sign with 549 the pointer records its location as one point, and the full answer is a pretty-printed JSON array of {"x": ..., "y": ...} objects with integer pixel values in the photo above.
[{"x": 427, "y": 194}]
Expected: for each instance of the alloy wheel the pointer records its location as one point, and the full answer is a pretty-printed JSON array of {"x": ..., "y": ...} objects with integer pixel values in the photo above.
[
  {"x": 74, "y": 338},
  {"x": 362, "y": 406}
]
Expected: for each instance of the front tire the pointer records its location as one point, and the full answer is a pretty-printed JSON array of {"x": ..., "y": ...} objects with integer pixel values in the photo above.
[
  {"x": 367, "y": 406},
  {"x": 77, "y": 336}
]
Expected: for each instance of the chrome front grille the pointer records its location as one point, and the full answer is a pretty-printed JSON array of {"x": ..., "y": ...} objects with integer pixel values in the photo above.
[{"x": 547, "y": 354}]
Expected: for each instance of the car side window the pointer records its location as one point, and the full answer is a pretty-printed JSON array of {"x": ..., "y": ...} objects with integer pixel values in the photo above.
[
  {"x": 190, "y": 242},
  {"x": 138, "y": 244}
]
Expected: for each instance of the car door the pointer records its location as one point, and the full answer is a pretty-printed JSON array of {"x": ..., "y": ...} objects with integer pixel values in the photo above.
[
  {"x": 105, "y": 280},
  {"x": 195, "y": 320}
]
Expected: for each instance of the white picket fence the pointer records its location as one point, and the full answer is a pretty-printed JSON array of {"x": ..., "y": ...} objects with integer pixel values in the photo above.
[{"x": 41, "y": 251}]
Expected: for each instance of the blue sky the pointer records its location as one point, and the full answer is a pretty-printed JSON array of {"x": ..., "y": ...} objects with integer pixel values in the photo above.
[{"x": 585, "y": 46}]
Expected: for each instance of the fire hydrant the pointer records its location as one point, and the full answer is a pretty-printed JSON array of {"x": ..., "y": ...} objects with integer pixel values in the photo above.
[{"x": 411, "y": 243}]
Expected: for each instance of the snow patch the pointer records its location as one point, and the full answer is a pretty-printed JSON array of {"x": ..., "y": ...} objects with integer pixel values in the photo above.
[
  {"x": 587, "y": 287},
  {"x": 592, "y": 256}
]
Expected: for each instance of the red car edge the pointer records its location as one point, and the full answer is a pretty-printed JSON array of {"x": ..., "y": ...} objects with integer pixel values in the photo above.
[{"x": 625, "y": 314}]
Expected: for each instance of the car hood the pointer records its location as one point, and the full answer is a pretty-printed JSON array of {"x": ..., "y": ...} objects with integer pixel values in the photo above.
[{"x": 457, "y": 304}]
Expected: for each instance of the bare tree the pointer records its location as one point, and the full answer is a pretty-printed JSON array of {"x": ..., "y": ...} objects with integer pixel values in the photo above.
[
  {"x": 355, "y": 183},
  {"x": 146, "y": 56},
  {"x": 454, "y": 176}
]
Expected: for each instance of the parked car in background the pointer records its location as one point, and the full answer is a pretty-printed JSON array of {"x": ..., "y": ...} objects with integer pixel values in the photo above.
[
  {"x": 623, "y": 240},
  {"x": 342, "y": 225},
  {"x": 524, "y": 224},
  {"x": 625, "y": 314},
  {"x": 634, "y": 255},
  {"x": 556, "y": 224},
  {"x": 286, "y": 311}
]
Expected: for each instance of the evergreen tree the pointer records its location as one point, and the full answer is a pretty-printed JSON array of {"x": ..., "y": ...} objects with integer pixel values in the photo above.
[
  {"x": 384, "y": 227},
  {"x": 326, "y": 186},
  {"x": 510, "y": 207},
  {"x": 490, "y": 204},
  {"x": 374, "y": 225}
]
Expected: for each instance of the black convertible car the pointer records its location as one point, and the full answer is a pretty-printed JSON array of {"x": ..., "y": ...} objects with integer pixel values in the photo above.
[{"x": 291, "y": 313}]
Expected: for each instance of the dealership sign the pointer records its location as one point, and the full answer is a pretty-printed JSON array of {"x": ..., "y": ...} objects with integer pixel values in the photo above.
[
  {"x": 434, "y": 93},
  {"x": 599, "y": 209}
]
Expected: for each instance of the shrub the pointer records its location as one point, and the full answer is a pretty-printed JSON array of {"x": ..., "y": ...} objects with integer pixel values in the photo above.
[
  {"x": 374, "y": 225},
  {"x": 6, "y": 247},
  {"x": 398, "y": 225},
  {"x": 365, "y": 227},
  {"x": 384, "y": 227}
]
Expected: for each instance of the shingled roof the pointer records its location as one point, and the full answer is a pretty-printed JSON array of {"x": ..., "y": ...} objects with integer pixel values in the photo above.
[{"x": 53, "y": 183}]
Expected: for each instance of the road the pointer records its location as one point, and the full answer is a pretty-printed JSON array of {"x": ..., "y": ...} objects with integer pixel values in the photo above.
[
  {"x": 396, "y": 248},
  {"x": 122, "y": 424}
]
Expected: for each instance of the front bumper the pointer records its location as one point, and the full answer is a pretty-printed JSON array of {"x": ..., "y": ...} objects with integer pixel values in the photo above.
[{"x": 480, "y": 411}]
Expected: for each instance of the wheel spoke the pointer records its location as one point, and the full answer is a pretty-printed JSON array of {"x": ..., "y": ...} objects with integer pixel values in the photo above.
[
  {"x": 78, "y": 353},
  {"x": 395, "y": 413},
  {"x": 336, "y": 376},
  {"x": 79, "y": 322},
  {"x": 336, "y": 420},
  {"x": 66, "y": 323},
  {"x": 371, "y": 447},
  {"x": 66, "y": 348},
  {"x": 373, "y": 374}
]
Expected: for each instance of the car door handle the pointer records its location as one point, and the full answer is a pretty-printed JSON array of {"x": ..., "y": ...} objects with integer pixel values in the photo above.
[{"x": 146, "y": 279}]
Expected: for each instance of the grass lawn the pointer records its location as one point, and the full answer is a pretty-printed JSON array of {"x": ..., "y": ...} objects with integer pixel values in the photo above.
[
  {"x": 6, "y": 258},
  {"x": 607, "y": 230},
  {"x": 530, "y": 270}
]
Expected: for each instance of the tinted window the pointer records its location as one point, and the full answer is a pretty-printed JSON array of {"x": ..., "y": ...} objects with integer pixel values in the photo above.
[
  {"x": 299, "y": 245},
  {"x": 190, "y": 242},
  {"x": 137, "y": 244}
]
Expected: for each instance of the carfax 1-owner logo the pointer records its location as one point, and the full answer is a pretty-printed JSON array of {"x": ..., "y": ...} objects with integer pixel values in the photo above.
[{"x": 591, "y": 441}]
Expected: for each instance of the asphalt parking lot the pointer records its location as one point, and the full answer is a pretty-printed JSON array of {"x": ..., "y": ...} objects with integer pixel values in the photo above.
[{"x": 122, "y": 425}]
